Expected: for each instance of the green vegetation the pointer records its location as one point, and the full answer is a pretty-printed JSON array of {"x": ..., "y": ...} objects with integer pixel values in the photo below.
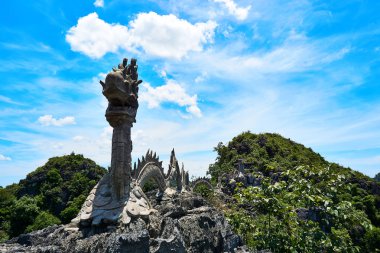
[
  {"x": 52, "y": 194},
  {"x": 43, "y": 220},
  {"x": 303, "y": 203},
  {"x": 377, "y": 177},
  {"x": 203, "y": 190},
  {"x": 150, "y": 185}
]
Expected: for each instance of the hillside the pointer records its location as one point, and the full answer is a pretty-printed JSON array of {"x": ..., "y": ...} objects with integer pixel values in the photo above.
[
  {"x": 298, "y": 201},
  {"x": 288, "y": 198},
  {"x": 51, "y": 194}
]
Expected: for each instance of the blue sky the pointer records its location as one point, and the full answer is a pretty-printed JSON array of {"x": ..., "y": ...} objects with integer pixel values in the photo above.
[{"x": 308, "y": 70}]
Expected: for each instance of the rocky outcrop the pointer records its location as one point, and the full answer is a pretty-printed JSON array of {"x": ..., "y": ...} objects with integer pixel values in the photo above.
[{"x": 181, "y": 223}]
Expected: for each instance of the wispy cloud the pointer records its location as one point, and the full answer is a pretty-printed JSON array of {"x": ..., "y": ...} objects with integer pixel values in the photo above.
[
  {"x": 36, "y": 47},
  {"x": 240, "y": 13},
  {"x": 4, "y": 158},
  {"x": 8, "y": 100}
]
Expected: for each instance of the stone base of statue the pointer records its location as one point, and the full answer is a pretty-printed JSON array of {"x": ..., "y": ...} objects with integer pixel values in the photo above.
[{"x": 100, "y": 209}]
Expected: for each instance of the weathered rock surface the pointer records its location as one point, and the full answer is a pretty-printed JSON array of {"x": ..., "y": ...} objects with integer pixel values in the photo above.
[{"x": 182, "y": 223}]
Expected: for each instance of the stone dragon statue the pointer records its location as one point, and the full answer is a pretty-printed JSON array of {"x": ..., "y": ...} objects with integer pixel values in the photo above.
[{"x": 118, "y": 197}]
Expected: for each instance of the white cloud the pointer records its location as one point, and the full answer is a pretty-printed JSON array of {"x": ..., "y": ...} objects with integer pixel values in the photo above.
[
  {"x": 94, "y": 37},
  {"x": 168, "y": 36},
  {"x": 4, "y": 158},
  {"x": 170, "y": 92},
  {"x": 49, "y": 120},
  {"x": 99, "y": 3},
  {"x": 239, "y": 12},
  {"x": 163, "y": 36}
]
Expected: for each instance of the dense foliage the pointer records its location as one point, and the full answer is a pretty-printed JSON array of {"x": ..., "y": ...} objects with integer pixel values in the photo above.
[
  {"x": 303, "y": 203},
  {"x": 265, "y": 152},
  {"x": 52, "y": 194},
  {"x": 377, "y": 177}
]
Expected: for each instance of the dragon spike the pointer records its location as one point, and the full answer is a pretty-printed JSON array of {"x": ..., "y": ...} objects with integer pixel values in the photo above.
[
  {"x": 169, "y": 171},
  {"x": 138, "y": 168},
  {"x": 134, "y": 170},
  {"x": 147, "y": 153},
  {"x": 154, "y": 155},
  {"x": 172, "y": 156},
  {"x": 187, "y": 178}
]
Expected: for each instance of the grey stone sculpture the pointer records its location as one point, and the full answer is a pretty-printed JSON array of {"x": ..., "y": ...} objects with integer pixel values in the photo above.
[{"x": 118, "y": 197}]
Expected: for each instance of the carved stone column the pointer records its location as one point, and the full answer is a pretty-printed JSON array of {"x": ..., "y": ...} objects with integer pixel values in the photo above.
[{"x": 121, "y": 160}]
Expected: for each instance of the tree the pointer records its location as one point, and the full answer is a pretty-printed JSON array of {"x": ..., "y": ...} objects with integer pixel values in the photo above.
[
  {"x": 23, "y": 213},
  {"x": 43, "y": 220},
  {"x": 72, "y": 209}
]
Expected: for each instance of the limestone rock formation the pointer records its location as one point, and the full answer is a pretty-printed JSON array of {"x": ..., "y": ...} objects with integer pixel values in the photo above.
[{"x": 183, "y": 222}]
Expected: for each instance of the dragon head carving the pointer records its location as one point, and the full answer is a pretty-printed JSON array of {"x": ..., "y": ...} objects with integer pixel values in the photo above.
[{"x": 121, "y": 90}]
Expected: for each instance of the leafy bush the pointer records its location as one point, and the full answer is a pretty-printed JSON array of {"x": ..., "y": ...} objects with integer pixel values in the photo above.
[
  {"x": 276, "y": 223},
  {"x": 150, "y": 185},
  {"x": 203, "y": 190},
  {"x": 23, "y": 213},
  {"x": 43, "y": 220},
  {"x": 372, "y": 240},
  {"x": 72, "y": 209}
]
